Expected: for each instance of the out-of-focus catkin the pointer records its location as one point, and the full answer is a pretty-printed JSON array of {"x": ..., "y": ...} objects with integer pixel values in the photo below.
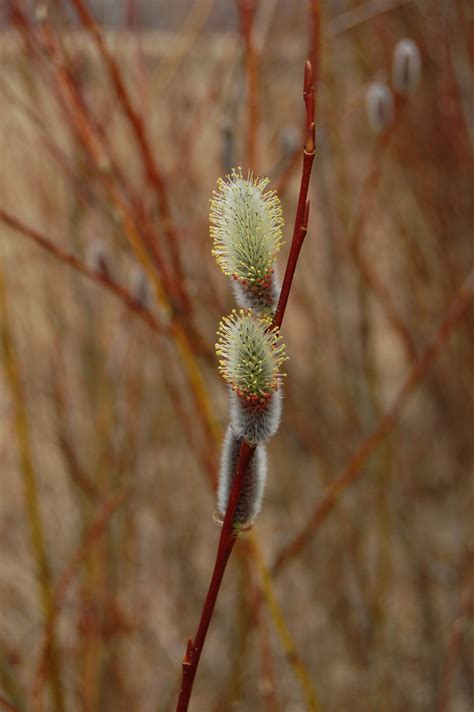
[
  {"x": 98, "y": 258},
  {"x": 379, "y": 106},
  {"x": 140, "y": 286},
  {"x": 406, "y": 66}
]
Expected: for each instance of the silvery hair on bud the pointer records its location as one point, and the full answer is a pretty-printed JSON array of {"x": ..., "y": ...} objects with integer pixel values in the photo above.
[
  {"x": 379, "y": 106},
  {"x": 139, "y": 286},
  {"x": 97, "y": 257},
  {"x": 255, "y": 424},
  {"x": 251, "y": 494},
  {"x": 262, "y": 301},
  {"x": 406, "y": 66}
]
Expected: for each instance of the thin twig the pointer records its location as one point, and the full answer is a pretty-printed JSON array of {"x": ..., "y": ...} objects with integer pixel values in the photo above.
[{"x": 302, "y": 209}]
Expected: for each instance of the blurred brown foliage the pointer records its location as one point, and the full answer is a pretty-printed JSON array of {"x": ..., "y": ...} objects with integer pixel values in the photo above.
[{"x": 111, "y": 406}]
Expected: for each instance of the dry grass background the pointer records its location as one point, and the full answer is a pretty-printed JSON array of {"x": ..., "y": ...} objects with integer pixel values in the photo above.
[{"x": 379, "y": 600}]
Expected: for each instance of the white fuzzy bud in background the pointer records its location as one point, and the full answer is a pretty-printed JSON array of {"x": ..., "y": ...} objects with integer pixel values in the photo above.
[
  {"x": 406, "y": 66},
  {"x": 251, "y": 494},
  {"x": 97, "y": 258},
  {"x": 139, "y": 286},
  {"x": 379, "y": 106}
]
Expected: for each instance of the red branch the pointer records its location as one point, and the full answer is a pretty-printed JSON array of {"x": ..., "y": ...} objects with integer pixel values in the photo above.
[
  {"x": 302, "y": 210},
  {"x": 229, "y": 535}
]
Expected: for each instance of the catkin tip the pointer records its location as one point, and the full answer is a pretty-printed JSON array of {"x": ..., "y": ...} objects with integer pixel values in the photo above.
[
  {"x": 246, "y": 226},
  {"x": 251, "y": 353}
]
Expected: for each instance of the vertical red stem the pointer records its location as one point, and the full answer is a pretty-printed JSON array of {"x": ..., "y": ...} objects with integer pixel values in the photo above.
[{"x": 302, "y": 210}]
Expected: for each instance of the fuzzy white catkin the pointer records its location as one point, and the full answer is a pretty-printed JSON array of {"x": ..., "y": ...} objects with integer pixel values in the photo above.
[
  {"x": 139, "y": 286},
  {"x": 250, "y": 353},
  {"x": 379, "y": 106},
  {"x": 256, "y": 425},
  {"x": 97, "y": 257},
  {"x": 251, "y": 495},
  {"x": 406, "y": 66},
  {"x": 246, "y": 227}
]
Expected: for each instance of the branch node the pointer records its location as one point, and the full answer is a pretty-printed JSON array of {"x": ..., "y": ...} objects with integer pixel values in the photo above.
[
  {"x": 188, "y": 654},
  {"x": 310, "y": 143}
]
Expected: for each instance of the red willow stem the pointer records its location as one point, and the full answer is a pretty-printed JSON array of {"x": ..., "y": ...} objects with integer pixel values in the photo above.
[
  {"x": 229, "y": 534},
  {"x": 302, "y": 210}
]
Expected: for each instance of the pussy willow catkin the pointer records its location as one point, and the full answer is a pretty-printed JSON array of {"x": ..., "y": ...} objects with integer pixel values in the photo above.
[
  {"x": 246, "y": 227},
  {"x": 140, "y": 287},
  {"x": 98, "y": 257},
  {"x": 406, "y": 66},
  {"x": 251, "y": 354},
  {"x": 251, "y": 495},
  {"x": 379, "y": 106}
]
